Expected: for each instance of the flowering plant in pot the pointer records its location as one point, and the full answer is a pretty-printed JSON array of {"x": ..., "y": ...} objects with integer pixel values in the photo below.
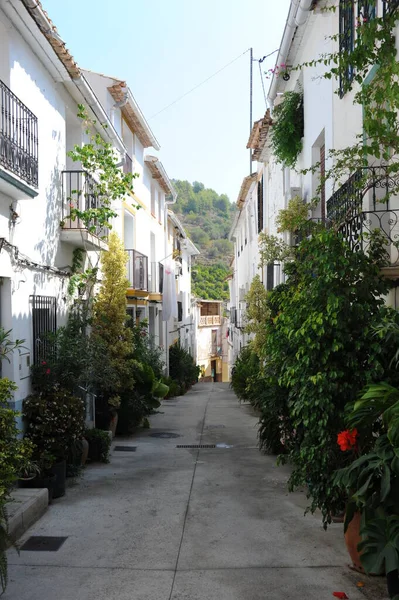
[{"x": 372, "y": 479}]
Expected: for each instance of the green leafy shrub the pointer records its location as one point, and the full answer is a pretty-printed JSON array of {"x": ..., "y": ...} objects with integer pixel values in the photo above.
[
  {"x": 15, "y": 455},
  {"x": 321, "y": 347},
  {"x": 99, "y": 444},
  {"x": 55, "y": 422},
  {"x": 287, "y": 129},
  {"x": 182, "y": 367},
  {"x": 245, "y": 367}
]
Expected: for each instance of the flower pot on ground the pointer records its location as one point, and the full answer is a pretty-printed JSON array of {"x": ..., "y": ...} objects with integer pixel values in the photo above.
[
  {"x": 352, "y": 540},
  {"x": 99, "y": 445},
  {"x": 59, "y": 472}
]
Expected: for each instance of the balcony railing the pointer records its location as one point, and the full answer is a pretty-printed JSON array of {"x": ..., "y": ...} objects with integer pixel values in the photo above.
[
  {"x": 366, "y": 203},
  {"x": 156, "y": 278},
  {"x": 209, "y": 320},
  {"x": 82, "y": 192},
  {"x": 137, "y": 270},
  {"x": 370, "y": 188},
  {"x": 18, "y": 137},
  {"x": 128, "y": 164},
  {"x": 389, "y": 6}
]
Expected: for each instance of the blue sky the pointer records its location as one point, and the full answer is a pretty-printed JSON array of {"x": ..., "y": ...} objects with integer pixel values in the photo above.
[{"x": 163, "y": 49}]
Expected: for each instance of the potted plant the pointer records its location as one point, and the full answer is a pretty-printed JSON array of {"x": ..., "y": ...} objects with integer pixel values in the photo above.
[
  {"x": 99, "y": 445},
  {"x": 55, "y": 421},
  {"x": 372, "y": 480}
]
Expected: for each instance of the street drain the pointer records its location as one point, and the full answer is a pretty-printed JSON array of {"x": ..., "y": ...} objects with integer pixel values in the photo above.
[
  {"x": 43, "y": 543},
  {"x": 197, "y": 446},
  {"x": 165, "y": 435},
  {"x": 126, "y": 448}
]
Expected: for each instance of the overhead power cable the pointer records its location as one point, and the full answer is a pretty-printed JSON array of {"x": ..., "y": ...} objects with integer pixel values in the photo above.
[{"x": 199, "y": 84}]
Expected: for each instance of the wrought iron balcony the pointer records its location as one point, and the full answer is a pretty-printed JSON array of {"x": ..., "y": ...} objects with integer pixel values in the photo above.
[
  {"x": 389, "y": 5},
  {"x": 209, "y": 320},
  {"x": 370, "y": 188},
  {"x": 80, "y": 191},
  {"x": 137, "y": 270},
  {"x": 368, "y": 202},
  {"x": 156, "y": 278},
  {"x": 19, "y": 146}
]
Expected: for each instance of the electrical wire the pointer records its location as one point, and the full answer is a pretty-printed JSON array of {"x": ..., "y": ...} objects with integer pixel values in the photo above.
[
  {"x": 199, "y": 84},
  {"x": 263, "y": 84}
]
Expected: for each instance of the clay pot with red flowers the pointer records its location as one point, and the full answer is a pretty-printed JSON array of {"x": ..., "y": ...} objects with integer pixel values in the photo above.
[{"x": 371, "y": 481}]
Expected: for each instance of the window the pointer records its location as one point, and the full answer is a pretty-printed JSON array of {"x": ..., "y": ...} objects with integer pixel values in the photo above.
[
  {"x": 346, "y": 41},
  {"x": 44, "y": 321},
  {"x": 270, "y": 277},
  {"x": 161, "y": 206},
  {"x": 180, "y": 311},
  {"x": 130, "y": 311},
  {"x": 260, "y": 205},
  {"x": 153, "y": 192},
  {"x": 389, "y": 5},
  {"x": 367, "y": 9}
]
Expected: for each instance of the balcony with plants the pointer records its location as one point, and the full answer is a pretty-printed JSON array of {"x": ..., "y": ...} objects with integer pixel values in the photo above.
[
  {"x": 85, "y": 211},
  {"x": 19, "y": 147}
]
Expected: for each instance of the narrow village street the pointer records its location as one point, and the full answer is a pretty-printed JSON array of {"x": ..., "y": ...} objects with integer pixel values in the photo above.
[{"x": 164, "y": 523}]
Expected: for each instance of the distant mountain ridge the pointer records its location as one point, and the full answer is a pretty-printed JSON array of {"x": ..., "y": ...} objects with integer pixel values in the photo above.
[{"x": 207, "y": 218}]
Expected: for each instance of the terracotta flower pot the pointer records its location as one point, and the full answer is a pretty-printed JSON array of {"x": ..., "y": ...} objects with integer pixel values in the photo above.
[{"x": 352, "y": 539}]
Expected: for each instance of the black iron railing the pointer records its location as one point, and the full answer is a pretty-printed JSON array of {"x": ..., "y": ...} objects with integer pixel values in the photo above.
[
  {"x": 18, "y": 137},
  {"x": 137, "y": 270},
  {"x": 128, "y": 164},
  {"x": 375, "y": 184},
  {"x": 44, "y": 322},
  {"x": 389, "y": 6},
  {"x": 160, "y": 266},
  {"x": 80, "y": 191},
  {"x": 360, "y": 230}
]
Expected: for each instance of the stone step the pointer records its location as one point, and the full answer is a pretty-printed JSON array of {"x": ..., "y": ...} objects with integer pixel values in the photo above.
[{"x": 24, "y": 509}]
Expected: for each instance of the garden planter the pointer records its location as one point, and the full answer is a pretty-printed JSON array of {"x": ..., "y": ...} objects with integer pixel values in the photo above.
[
  {"x": 85, "y": 451},
  {"x": 393, "y": 583},
  {"x": 352, "y": 539},
  {"x": 59, "y": 470},
  {"x": 113, "y": 424},
  {"x": 95, "y": 450},
  {"x": 44, "y": 481}
]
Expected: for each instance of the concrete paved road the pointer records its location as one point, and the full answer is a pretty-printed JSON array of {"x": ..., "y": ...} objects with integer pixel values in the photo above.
[{"x": 164, "y": 523}]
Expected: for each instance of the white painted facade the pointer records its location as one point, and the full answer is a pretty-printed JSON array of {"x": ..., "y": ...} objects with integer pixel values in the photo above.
[
  {"x": 330, "y": 122},
  {"x": 36, "y": 241}
]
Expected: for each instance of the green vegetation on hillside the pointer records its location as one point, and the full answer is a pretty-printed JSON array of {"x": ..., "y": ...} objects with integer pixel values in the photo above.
[
  {"x": 207, "y": 217},
  {"x": 209, "y": 281}
]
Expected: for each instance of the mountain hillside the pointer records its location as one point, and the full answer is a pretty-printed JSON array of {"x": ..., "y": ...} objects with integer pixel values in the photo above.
[{"x": 207, "y": 218}]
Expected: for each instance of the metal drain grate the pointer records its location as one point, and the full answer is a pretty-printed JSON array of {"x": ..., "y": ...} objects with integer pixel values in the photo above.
[
  {"x": 125, "y": 448},
  {"x": 43, "y": 543},
  {"x": 165, "y": 435},
  {"x": 196, "y": 446}
]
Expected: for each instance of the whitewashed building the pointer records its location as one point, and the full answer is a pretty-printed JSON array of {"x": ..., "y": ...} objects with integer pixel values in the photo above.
[
  {"x": 41, "y": 86},
  {"x": 331, "y": 122}
]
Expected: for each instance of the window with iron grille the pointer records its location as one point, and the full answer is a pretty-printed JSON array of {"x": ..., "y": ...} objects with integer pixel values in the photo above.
[
  {"x": 366, "y": 9},
  {"x": 44, "y": 322},
  {"x": 260, "y": 205},
  {"x": 270, "y": 276},
  {"x": 180, "y": 311},
  {"x": 346, "y": 41},
  {"x": 389, "y": 5}
]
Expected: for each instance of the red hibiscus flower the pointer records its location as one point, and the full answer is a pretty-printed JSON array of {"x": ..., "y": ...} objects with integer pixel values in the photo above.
[
  {"x": 347, "y": 439},
  {"x": 48, "y": 372}
]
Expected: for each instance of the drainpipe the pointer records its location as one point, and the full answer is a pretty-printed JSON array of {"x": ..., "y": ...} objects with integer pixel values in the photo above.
[{"x": 297, "y": 15}]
